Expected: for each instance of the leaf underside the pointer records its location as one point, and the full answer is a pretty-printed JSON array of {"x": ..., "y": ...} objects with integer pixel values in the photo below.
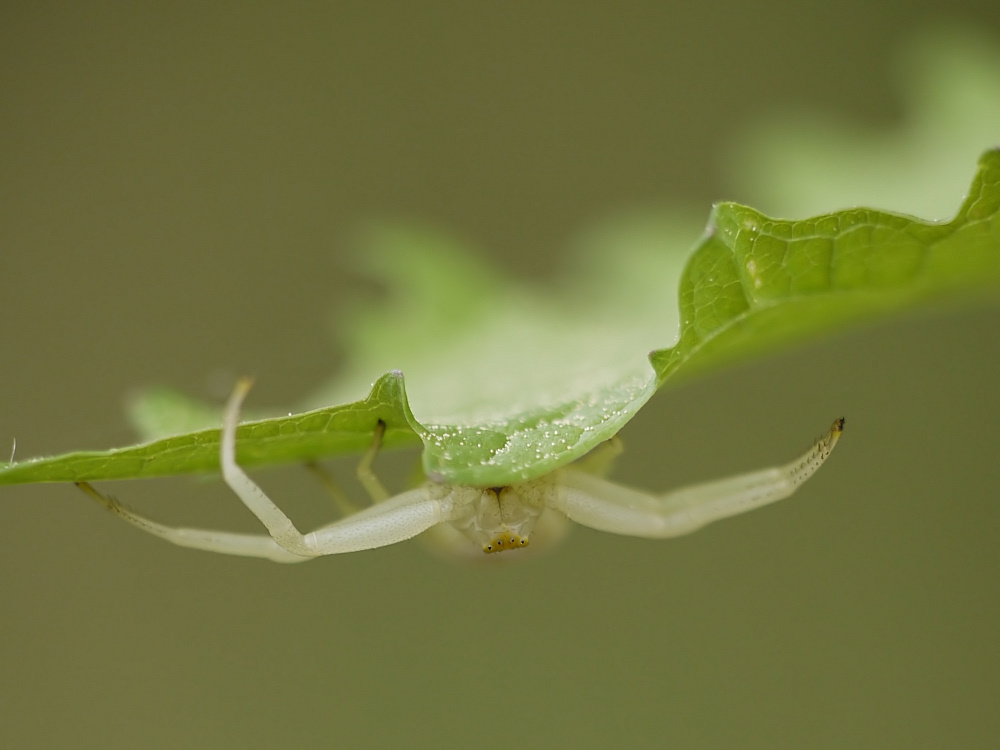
[{"x": 514, "y": 392}]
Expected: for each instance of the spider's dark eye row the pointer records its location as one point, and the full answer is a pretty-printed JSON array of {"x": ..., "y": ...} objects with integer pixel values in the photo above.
[{"x": 499, "y": 543}]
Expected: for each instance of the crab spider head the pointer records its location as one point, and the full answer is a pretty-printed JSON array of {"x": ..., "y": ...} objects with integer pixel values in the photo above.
[
  {"x": 496, "y": 519},
  {"x": 504, "y": 520}
]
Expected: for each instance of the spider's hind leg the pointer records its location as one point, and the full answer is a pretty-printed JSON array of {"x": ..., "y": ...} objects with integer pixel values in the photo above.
[
  {"x": 601, "y": 459},
  {"x": 365, "y": 475},
  {"x": 344, "y": 503},
  {"x": 375, "y": 489}
]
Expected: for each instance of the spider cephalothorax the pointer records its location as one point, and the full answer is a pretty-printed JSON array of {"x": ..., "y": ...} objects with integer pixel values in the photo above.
[{"x": 499, "y": 518}]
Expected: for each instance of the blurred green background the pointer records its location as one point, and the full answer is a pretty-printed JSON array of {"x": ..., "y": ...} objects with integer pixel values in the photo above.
[{"x": 180, "y": 189}]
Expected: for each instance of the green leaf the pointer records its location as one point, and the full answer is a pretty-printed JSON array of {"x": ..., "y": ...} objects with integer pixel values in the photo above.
[
  {"x": 509, "y": 382},
  {"x": 755, "y": 282},
  {"x": 301, "y": 437}
]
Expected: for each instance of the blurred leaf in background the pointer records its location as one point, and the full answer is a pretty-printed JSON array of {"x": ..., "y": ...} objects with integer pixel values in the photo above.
[{"x": 797, "y": 163}]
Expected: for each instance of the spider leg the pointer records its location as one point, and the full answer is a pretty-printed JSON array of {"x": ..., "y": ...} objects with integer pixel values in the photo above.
[
  {"x": 601, "y": 460},
  {"x": 610, "y": 507},
  {"x": 375, "y": 489},
  {"x": 399, "y": 518},
  {"x": 395, "y": 520},
  {"x": 340, "y": 498},
  {"x": 278, "y": 525},
  {"x": 245, "y": 545}
]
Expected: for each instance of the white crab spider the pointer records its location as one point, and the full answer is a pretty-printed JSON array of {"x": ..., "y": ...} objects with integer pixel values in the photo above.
[{"x": 495, "y": 519}]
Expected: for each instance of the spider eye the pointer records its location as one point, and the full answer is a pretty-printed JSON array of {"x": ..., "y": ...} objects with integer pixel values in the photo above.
[{"x": 501, "y": 543}]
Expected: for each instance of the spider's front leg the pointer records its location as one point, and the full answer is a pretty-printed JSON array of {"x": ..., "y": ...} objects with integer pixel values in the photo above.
[
  {"x": 606, "y": 506},
  {"x": 209, "y": 540},
  {"x": 393, "y": 520}
]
